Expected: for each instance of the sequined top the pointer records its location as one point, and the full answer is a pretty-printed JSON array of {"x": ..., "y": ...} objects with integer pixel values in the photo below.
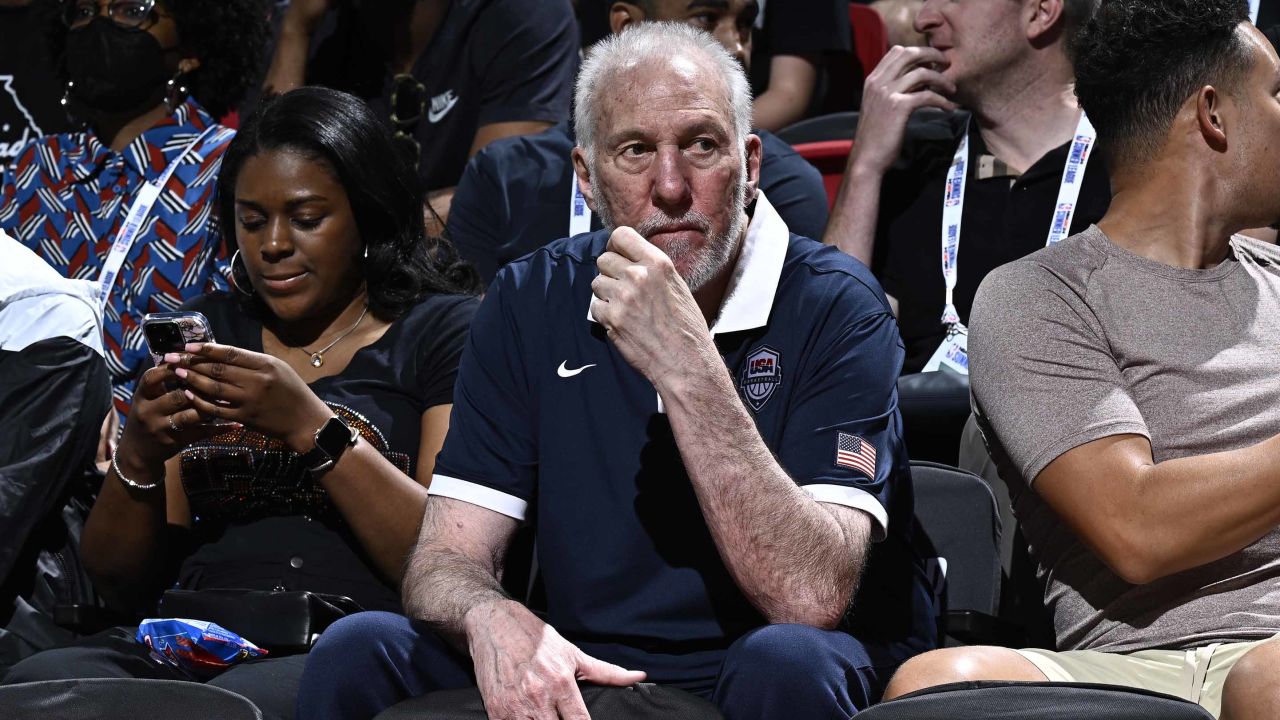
[{"x": 259, "y": 519}]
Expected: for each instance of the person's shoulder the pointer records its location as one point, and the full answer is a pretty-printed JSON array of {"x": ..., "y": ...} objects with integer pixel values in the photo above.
[
  {"x": 774, "y": 146},
  {"x": 441, "y": 309},
  {"x": 552, "y": 12},
  {"x": 930, "y": 140},
  {"x": 1064, "y": 269},
  {"x": 526, "y": 153},
  {"x": 824, "y": 270},
  {"x": 779, "y": 161},
  {"x": 571, "y": 253},
  {"x": 47, "y": 150}
]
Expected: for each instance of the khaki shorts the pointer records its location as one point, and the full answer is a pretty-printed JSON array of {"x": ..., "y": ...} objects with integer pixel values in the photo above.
[{"x": 1196, "y": 675}]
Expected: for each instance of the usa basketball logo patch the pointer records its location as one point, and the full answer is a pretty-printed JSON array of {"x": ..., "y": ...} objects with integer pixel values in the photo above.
[{"x": 761, "y": 375}]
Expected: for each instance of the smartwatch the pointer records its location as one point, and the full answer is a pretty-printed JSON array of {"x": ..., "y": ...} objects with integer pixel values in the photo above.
[{"x": 332, "y": 439}]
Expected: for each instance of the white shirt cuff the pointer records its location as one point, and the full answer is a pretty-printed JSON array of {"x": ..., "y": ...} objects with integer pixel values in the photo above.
[
  {"x": 854, "y": 498},
  {"x": 485, "y": 497}
]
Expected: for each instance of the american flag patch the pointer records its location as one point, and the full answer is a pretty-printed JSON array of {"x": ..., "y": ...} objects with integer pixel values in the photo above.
[{"x": 854, "y": 452}]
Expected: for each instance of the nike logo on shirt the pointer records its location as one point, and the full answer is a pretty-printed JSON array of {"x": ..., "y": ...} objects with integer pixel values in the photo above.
[
  {"x": 564, "y": 372},
  {"x": 441, "y": 105}
]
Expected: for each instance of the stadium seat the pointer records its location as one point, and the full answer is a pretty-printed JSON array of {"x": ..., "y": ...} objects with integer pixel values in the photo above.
[
  {"x": 959, "y": 518},
  {"x": 870, "y": 36},
  {"x": 832, "y": 126},
  {"x": 116, "y": 699},
  {"x": 935, "y": 407},
  {"x": 1031, "y": 701},
  {"x": 829, "y": 158}
]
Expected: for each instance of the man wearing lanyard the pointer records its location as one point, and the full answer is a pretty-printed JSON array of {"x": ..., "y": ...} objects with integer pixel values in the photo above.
[
  {"x": 519, "y": 193},
  {"x": 935, "y": 205},
  {"x": 1125, "y": 379}
]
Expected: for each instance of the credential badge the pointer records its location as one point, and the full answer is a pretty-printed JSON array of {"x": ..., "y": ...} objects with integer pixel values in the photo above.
[{"x": 760, "y": 376}]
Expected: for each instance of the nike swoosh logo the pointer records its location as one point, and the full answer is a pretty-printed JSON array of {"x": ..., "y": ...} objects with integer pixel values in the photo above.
[
  {"x": 565, "y": 372},
  {"x": 445, "y": 103}
]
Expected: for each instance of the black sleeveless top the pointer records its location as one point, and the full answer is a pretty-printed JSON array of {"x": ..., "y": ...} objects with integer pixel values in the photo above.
[{"x": 259, "y": 520}]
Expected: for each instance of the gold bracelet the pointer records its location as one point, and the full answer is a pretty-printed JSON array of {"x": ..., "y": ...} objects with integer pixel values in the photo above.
[{"x": 136, "y": 485}]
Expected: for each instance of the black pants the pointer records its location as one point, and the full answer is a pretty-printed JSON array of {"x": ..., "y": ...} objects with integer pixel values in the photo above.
[{"x": 270, "y": 683}]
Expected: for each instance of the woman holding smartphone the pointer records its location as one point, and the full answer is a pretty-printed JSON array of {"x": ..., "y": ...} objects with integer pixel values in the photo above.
[{"x": 294, "y": 453}]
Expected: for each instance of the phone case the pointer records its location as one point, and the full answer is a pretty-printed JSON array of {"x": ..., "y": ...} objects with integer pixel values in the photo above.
[{"x": 192, "y": 327}]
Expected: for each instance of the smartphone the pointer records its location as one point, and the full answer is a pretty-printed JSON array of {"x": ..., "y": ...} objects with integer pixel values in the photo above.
[{"x": 171, "y": 331}]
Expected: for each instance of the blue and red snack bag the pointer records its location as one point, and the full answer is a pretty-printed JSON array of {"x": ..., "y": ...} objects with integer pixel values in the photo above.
[{"x": 200, "y": 648}]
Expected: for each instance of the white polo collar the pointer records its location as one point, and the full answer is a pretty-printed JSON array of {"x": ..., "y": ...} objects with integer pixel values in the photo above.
[{"x": 749, "y": 297}]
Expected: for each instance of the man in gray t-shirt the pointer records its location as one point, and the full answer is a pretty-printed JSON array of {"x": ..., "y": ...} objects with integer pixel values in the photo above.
[{"x": 1126, "y": 379}]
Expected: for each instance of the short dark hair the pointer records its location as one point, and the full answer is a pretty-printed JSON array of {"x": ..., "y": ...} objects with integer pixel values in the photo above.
[
  {"x": 1075, "y": 13},
  {"x": 341, "y": 131},
  {"x": 1137, "y": 62}
]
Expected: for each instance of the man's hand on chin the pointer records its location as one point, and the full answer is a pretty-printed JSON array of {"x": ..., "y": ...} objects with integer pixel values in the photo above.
[
  {"x": 525, "y": 669},
  {"x": 648, "y": 311}
]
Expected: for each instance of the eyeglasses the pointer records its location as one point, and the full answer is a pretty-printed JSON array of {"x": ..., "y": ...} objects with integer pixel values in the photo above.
[
  {"x": 132, "y": 14},
  {"x": 408, "y": 103}
]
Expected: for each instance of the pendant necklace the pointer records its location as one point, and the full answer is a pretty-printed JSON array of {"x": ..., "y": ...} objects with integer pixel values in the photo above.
[{"x": 317, "y": 357}]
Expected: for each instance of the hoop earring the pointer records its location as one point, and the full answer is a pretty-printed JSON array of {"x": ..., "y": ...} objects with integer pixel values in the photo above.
[
  {"x": 237, "y": 269},
  {"x": 175, "y": 92},
  {"x": 366, "y": 252}
]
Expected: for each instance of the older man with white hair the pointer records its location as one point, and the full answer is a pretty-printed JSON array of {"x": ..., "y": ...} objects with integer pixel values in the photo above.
[{"x": 695, "y": 409}]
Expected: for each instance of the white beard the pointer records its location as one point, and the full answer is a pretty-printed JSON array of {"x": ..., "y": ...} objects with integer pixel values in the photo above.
[{"x": 704, "y": 263}]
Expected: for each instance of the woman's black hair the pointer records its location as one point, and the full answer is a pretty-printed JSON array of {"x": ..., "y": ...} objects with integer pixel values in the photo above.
[
  {"x": 338, "y": 129},
  {"x": 230, "y": 38}
]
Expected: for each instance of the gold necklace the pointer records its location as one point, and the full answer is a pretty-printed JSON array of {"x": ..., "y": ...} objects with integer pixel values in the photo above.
[{"x": 317, "y": 357}]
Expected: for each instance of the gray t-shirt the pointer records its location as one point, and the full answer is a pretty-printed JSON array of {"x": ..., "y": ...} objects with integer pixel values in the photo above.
[{"x": 1085, "y": 340}]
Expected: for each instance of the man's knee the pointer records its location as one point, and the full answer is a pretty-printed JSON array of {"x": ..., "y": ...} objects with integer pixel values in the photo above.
[
  {"x": 361, "y": 637},
  {"x": 1252, "y": 687},
  {"x": 963, "y": 664},
  {"x": 778, "y": 653}
]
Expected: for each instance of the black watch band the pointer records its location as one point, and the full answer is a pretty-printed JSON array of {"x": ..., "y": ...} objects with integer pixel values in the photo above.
[{"x": 332, "y": 439}]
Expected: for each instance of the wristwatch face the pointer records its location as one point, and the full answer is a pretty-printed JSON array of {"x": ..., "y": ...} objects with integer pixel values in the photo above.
[{"x": 334, "y": 437}]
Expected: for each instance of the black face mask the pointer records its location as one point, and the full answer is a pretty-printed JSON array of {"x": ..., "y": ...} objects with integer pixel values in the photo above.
[{"x": 113, "y": 68}]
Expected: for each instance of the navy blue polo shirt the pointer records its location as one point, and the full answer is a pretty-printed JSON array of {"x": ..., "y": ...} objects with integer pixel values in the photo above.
[
  {"x": 552, "y": 426},
  {"x": 515, "y": 194}
]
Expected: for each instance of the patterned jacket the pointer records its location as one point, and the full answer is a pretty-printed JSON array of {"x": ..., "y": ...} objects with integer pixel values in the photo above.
[{"x": 67, "y": 195}]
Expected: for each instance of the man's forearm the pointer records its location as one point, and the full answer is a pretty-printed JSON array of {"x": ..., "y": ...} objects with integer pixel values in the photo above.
[
  {"x": 852, "y": 225},
  {"x": 442, "y": 582},
  {"x": 790, "y": 556}
]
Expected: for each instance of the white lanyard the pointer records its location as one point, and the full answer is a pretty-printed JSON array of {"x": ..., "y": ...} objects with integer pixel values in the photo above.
[
  {"x": 579, "y": 213},
  {"x": 138, "y": 211},
  {"x": 953, "y": 205},
  {"x": 1253, "y": 10}
]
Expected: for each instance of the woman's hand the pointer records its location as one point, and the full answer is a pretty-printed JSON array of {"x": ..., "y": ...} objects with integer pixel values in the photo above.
[
  {"x": 162, "y": 421},
  {"x": 256, "y": 390}
]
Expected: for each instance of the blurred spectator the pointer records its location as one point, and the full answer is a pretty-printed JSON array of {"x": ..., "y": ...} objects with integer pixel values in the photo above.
[
  {"x": 448, "y": 76},
  {"x": 29, "y": 87},
  {"x": 518, "y": 194},
  {"x": 900, "y": 20},
  {"x": 54, "y": 390},
  {"x": 347, "y": 322},
  {"x": 1125, "y": 379},
  {"x": 802, "y": 47},
  {"x": 1024, "y": 145},
  {"x": 147, "y": 78}
]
